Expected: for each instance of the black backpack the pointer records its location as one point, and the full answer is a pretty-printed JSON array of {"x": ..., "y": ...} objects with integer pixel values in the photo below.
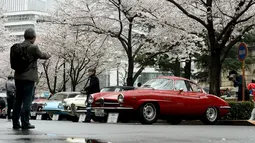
[{"x": 20, "y": 60}]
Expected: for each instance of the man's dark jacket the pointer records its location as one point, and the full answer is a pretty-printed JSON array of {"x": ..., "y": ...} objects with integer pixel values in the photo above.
[
  {"x": 35, "y": 53},
  {"x": 238, "y": 82},
  {"x": 94, "y": 86}
]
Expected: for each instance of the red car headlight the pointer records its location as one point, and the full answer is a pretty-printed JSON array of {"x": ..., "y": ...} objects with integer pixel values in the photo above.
[{"x": 121, "y": 98}]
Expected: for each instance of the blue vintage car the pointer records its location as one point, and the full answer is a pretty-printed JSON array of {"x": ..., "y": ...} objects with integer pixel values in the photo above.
[{"x": 54, "y": 104}]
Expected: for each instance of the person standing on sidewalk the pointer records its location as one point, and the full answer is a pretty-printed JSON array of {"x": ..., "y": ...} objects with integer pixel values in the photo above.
[
  {"x": 93, "y": 87},
  {"x": 251, "y": 88},
  {"x": 24, "y": 58},
  {"x": 10, "y": 92},
  {"x": 237, "y": 80}
]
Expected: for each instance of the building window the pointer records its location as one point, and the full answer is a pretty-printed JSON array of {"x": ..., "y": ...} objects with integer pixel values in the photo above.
[
  {"x": 19, "y": 28},
  {"x": 15, "y": 18}
]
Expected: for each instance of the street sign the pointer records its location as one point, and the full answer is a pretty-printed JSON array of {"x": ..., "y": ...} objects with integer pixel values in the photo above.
[
  {"x": 113, "y": 118},
  {"x": 38, "y": 117},
  {"x": 82, "y": 117},
  {"x": 55, "y": 117},
  {"x": 242, "y": 52}
]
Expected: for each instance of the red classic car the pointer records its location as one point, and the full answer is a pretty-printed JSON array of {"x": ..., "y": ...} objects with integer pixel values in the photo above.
[{"x": 169, "y": 98}]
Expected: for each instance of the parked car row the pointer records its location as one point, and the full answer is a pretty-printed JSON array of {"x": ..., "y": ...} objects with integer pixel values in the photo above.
[
  {"x": 168, "y": 98},
  {"x": 60, "y": 103}
]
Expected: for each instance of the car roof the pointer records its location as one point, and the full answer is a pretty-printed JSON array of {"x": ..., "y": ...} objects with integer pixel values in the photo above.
[
  {"x": 173, "y": 77},
  {"x": 124, "y": 87},
  {"x": 68, "y": 93}
]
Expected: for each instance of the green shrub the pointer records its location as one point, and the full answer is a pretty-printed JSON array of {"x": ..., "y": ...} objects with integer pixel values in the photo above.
[{"x": 239, "y": 111}]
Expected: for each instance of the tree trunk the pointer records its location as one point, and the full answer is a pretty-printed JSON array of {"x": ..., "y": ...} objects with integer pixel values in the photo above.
[
  {"x": 187, "y": 69},
  {"x": 215, "y": 71},
  {"x": 177, "y": 68},
  {"x": 64, "y": 76},
  {"x": 74, "y": 86},
  {"x": 130, "y": 81}
]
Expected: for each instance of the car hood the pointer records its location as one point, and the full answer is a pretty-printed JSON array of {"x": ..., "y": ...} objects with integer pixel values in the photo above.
[
  {"x": 52, "y": 103},
  {"x": 114, "y": 95}
]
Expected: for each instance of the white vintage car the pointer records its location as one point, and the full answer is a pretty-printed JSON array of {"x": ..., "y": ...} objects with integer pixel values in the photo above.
[
  {"x": 78, "y": 101},
  {"x": 77, "y": 105}
]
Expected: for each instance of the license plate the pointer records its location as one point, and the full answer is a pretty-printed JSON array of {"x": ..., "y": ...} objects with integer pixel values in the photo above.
[
  {"x": 33, "y": 113},
  {"x": 99, "y": 112}
]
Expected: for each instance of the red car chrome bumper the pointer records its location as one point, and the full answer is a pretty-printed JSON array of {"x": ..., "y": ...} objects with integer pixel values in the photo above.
[
  {"x": 224, "y": 110},
  {"x": 225, "y": 107},
  {"x": 113, "y": 108}
]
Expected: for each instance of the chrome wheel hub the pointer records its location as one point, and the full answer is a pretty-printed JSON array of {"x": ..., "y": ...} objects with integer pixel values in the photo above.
[
  {"x": 149, "y": 112},
  {"x": 211, "y": 114}
]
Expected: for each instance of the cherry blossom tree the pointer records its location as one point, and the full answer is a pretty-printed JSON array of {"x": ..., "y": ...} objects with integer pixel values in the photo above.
[
  {"x": 224, "y": 21},
  {"x": 74, "y": 52},
  {"x": 6, "y": 42},
  {"x": 137, "y": 25}
]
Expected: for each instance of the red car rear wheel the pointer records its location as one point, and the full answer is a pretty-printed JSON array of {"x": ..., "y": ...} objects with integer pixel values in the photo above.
[{"x": 148, "y": 113}]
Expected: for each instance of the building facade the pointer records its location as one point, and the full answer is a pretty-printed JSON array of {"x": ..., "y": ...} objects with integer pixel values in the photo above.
[{"x": 22, "y": 14}]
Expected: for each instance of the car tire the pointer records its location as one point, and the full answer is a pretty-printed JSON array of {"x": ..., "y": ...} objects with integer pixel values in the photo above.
[
  {"x": 211, "y": 116},
  {"x": 33, "y": 117},
  {"x": 75, "y": 119},
  {"x": 124, "y": 120},
  {"x": 99, "y": 119},
  {"x": 148, "y": 113},
  {"x": 174, "y": 121}
]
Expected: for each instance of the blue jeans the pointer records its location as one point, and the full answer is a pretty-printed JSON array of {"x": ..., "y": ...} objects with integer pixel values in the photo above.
[{"x": 23, "y": 100}]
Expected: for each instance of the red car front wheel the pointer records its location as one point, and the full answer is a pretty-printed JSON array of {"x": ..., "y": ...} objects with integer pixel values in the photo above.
[
  {"x": 211, "y": 116},
  {"x": 148, "y": 113}
]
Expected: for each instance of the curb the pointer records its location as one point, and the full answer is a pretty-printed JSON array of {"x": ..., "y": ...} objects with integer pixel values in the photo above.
[
  {"x": 220, "y": 122},
  {"x": 237, "y": 122}
]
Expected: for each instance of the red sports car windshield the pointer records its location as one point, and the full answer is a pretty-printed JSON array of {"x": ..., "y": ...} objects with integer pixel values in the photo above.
[{"x": 159, "y": 84}]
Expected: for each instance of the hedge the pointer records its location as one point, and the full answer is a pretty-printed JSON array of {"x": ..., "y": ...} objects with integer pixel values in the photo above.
[{"x": 239, "y": 111}]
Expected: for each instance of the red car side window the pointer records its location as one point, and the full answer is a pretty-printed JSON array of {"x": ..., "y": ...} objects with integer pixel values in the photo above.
[
  {"x": 195, "y": 88},
  {"x": 180, "y": 84}
]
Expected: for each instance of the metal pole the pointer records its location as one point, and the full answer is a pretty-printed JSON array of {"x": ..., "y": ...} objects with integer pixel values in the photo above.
[{"x": 243, "y": 80}]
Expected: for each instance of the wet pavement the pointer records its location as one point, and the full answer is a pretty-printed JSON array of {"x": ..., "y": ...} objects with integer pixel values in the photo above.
[{"x": 68, "y": 132}]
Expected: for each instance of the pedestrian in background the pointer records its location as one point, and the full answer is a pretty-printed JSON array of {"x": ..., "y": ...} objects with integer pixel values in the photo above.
[
  {"x": 251, "y": 88},
  {"x": 24, "y": 58},
  {"x": 10, "y": 92},
  {"x": 238, "y": 82},
  {"x": 93, "y": 87}
]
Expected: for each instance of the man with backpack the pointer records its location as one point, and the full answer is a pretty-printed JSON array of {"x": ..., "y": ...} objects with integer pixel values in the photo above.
[
  {"x": 23, "y": 58},
  {"x": 10, "y": 91}
]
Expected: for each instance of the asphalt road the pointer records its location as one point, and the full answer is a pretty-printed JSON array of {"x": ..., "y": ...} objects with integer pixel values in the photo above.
[{"x": 65, "y": 131}]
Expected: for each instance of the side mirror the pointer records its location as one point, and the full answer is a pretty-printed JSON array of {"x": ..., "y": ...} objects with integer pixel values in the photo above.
[{"x": 181, "y": 90}]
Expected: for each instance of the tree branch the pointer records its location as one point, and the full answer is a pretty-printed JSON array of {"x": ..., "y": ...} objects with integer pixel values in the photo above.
[
  {"x": 234, "y": 20},
  {"x": 232, "y": 43},
  {"x": 187, "y": 13}
]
